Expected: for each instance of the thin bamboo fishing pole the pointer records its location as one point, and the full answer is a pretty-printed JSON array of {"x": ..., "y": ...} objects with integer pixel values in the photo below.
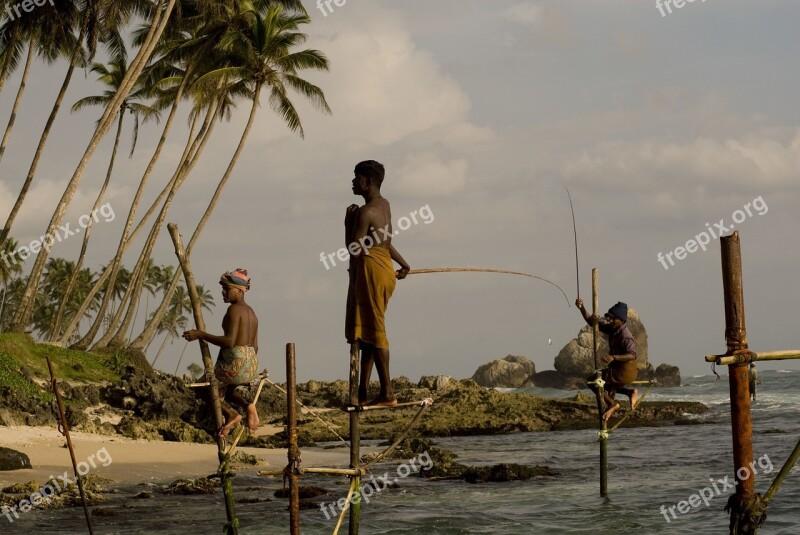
[
  {"x": 486, "y": 270},
  {"x": 63, "y": 426},
  {"x": 575, "y": 235}
]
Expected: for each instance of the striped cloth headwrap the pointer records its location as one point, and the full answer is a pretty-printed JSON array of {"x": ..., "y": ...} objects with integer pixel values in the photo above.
[{"x": 237, "y": 278}]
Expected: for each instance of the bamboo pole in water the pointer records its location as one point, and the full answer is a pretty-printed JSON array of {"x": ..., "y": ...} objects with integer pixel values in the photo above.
[
  {"x": 741, "y": 504},
  {"x": 232, "y": 526},
  {"x": 63, "y": 424},
  {"x": 599, "y": 391},
  {"x": 293, "y": 452},
  {"x": 355, "y": 441}
]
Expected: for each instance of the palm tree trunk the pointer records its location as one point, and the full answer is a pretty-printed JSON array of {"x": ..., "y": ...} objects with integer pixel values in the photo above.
[
  {"x": 180, "y": 359},
  {"x": 3, "y": 303},
  {"x": 150, "y": 328},
  {"x": 17, "y": 102},
  {"x": 160, "y": 349},
  {"x": 123, "y": 242},
  {"x": 183, "y": 170},
  {"x": 73, "y": 62},
  {"x": 25, "y": 310},
  {"x": 62, "y": 307}
]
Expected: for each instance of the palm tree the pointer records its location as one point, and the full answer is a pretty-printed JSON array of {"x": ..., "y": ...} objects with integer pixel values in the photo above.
[
  {"x": 99, "y": 20},
  {"x": 160, "y": 16},
  {"x": 112, "y": 76},
  {"x": 9, "y": 268},
  {"x": 260, "y": 53},
  {"x": 169, "y": 324}
]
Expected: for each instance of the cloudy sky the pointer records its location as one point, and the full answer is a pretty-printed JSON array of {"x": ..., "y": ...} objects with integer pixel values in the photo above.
[{"x": 660, "y": 126}]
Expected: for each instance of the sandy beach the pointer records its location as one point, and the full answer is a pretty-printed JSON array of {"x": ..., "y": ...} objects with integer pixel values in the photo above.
[{"x": 132, "y": 461}]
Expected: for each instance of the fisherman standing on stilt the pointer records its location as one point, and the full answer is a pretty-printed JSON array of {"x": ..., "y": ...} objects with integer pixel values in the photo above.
[
  {"x": 621, "y": 356},
  {"x": 368, "y": 236}
]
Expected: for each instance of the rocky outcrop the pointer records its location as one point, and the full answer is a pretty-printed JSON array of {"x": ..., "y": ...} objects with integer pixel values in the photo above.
[
  {"x": 510, "y": 372},
  {"x": 577, "y": 357},
  {"x": 13, "y": 460},
  {"x": 666, "y": 375},
  {"x": 561, "y": 381}
]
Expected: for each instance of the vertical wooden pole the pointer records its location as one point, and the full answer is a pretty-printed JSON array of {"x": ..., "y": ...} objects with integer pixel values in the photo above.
[
  {"x": 738, "y": 379},
  {"x": 355, "y": 440},
  {"x": 63, "y": 423},
  {"x": 293, "y": 451},
  {"x": 232, "y": 527},
  {"x": 603, "y": 426}
]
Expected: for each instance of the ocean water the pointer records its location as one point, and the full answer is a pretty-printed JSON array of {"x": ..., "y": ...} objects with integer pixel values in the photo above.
[{"x": 648, "y": 468}]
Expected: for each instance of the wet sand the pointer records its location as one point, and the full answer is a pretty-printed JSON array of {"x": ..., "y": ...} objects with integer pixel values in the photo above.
[{"x": 133, "y": 461}]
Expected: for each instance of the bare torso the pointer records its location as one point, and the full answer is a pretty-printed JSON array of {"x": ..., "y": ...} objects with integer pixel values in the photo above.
[
  {"x": 378, "y": 216},
  {"x": 241, "y": 323}
]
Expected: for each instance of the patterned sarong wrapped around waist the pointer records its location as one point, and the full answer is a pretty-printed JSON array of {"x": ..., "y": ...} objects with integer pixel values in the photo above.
[{"x": 237, "y": 365}]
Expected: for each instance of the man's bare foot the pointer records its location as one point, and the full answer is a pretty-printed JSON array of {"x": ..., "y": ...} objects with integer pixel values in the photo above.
[
  {"x": 252, "y": 418},
  {"x": 230, "y": 424},
  {"x": 607, "y": 415},
  {"x": 634, "y": 398},
  {"x": 383, "y": 402}
]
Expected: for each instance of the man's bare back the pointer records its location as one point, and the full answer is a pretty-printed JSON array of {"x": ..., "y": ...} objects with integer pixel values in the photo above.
[{"x": 240, "y": 325}]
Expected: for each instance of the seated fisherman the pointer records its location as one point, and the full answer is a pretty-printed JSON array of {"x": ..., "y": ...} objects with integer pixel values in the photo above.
[
  {"x": 621, "y": 356},
  {"x": 237, "y": 364},
  {"x": 368, "y": 236}
]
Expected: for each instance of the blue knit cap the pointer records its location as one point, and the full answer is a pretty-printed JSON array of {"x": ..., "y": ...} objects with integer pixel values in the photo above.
[{"x": 620, "y": 310}]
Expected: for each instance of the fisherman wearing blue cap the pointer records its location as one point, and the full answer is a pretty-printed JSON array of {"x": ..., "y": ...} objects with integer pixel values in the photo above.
[{"x": 621, "y": 356}]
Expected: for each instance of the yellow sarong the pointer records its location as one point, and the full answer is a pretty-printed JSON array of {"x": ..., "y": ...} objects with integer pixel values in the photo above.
[{"x": 372, "y": 281}]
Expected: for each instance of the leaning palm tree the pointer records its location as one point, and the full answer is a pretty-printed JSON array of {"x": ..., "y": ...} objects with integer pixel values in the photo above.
[
  {"x": 98, "y": 20},
  {"x": 9, "y": 269},
  {"x": 260, "y": 53},
  {"x": 160, "y": 15},
  {"x": 112, "y": 76},
  {"x": 169, "y": 325}
]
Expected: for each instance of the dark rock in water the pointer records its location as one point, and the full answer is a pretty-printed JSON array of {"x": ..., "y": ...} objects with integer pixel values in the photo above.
[
  {"x": 191, "y": 487},
  {"x": 308, "y": 504},
  {"x": 306, "y": 492},
  {"x": 667, "y": 375},
  {"x": 104, "y": 512},
  {"x": 500, "y": 473},
  {"x": 13, "y": 460},
  {"x": 510, "y": 372},
  {"x": 254, "y": 499},
  {"x": 561, "y": 381},
  {"x": 144, "y": 495}
]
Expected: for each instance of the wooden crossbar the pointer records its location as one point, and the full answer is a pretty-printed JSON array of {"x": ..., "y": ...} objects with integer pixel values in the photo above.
[{"x": 752, "y": 356}]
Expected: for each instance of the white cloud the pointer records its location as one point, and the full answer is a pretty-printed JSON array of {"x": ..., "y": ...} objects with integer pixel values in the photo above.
[{"x": 427, "y": 174}]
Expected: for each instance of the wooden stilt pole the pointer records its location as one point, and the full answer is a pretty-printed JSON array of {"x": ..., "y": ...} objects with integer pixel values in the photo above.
[
  {"x": 62, "y": 424},
  {"x": 294, "y": 451},
  {"x": 355, "y": 440},
  {"x": 232, "y": 527},
  {"x": 741, "y": 504},
  {"x": 599, "y": 391}
]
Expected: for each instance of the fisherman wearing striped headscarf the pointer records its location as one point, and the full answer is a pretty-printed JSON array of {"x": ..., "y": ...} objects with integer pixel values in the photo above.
[{"x": 237, "y": 363}]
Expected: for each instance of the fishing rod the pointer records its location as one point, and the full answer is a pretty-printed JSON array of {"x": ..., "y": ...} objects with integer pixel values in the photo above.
[
  {"x": 487, "y": 270},
  {"x": 575, "y": 235}
]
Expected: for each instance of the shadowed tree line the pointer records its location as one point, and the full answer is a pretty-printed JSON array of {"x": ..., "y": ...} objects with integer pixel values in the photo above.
[{"x": 195, "y": 60}]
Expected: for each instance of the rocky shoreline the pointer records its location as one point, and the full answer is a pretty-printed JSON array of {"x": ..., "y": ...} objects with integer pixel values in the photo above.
[{"x": 160, "y": 407}]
